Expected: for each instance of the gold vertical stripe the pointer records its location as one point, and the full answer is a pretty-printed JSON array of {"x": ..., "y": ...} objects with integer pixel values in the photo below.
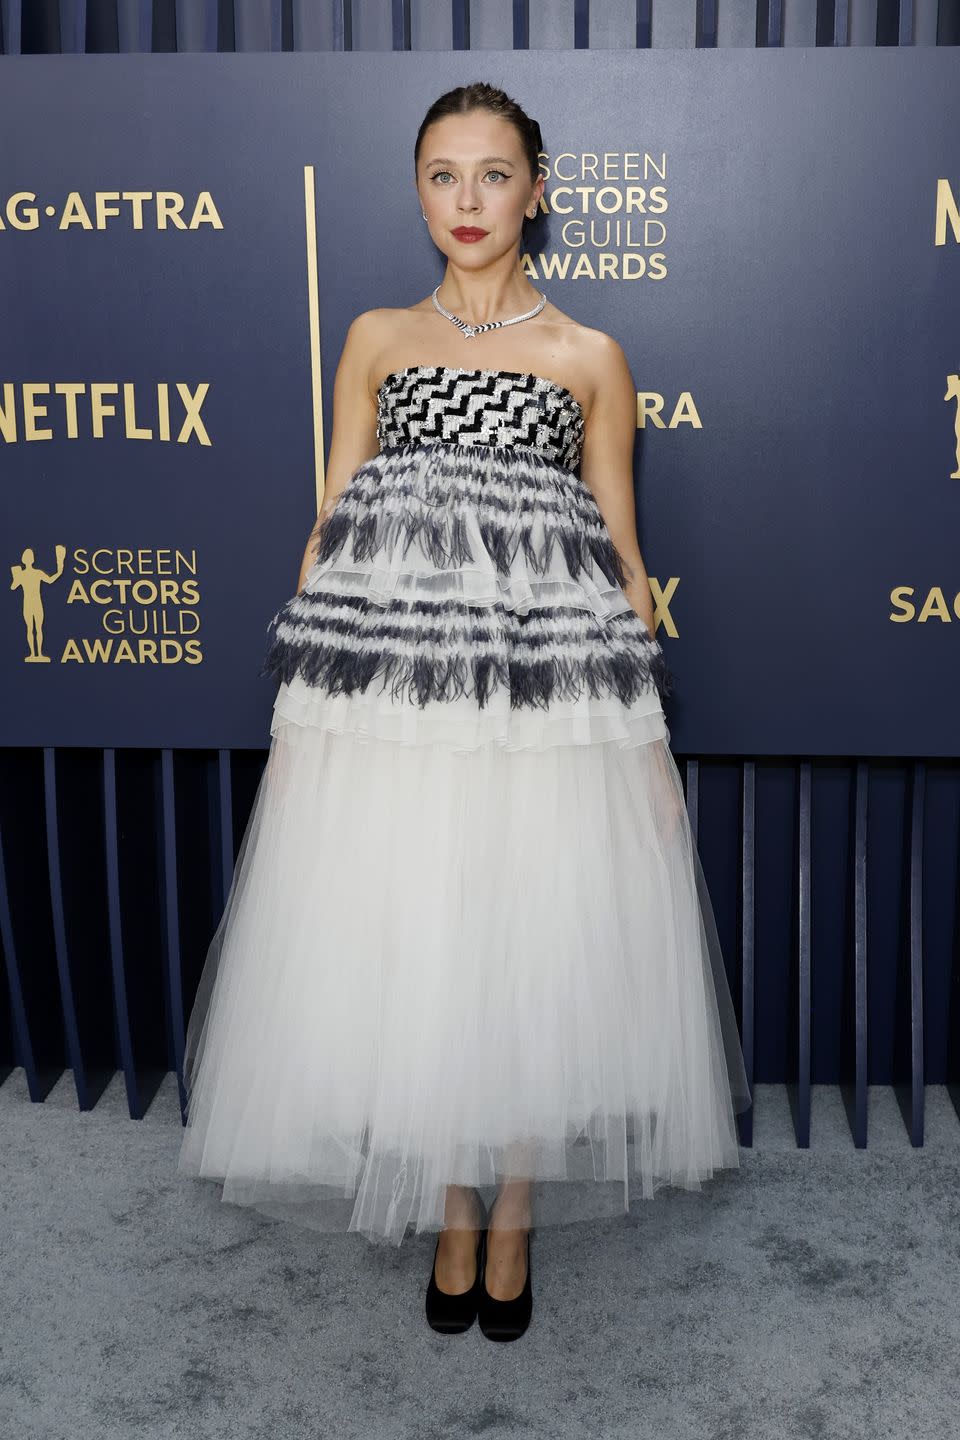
[{"x": 313, "y": 298}]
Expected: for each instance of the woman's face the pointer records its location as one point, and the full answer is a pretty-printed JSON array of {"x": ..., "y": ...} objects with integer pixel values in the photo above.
[{"x": 472, "y": 172}]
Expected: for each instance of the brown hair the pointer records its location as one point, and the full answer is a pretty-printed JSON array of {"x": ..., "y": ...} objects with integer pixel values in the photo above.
[{"x": 480, "y": 96}]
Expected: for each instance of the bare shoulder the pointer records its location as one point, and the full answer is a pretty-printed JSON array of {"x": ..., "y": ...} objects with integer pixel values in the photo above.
[
  {"x": 366, "y": 335},
  {"x": 368, "y": 328},
  {"x": 596, "y": 361},
  {"x": 601, "y": 354}
]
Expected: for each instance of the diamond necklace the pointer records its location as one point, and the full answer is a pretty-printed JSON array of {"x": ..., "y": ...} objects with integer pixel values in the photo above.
[{"x": 471, "y": 330}]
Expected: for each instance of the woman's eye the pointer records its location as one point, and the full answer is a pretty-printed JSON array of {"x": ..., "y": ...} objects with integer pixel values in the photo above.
[{"x": 437, "y": 173}]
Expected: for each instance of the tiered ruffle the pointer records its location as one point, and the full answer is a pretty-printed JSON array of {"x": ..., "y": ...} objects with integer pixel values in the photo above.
[{"x": 444, "y": 575}]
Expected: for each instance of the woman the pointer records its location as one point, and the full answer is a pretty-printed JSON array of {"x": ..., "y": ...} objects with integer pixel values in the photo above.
[{"x": 468, "y": 949}]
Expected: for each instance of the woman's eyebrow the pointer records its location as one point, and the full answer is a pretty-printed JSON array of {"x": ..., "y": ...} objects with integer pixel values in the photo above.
[{"x": 484, "y": 160}]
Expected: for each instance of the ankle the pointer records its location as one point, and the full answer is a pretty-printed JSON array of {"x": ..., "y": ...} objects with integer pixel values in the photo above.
[
  {"x": 515, "y": 1217},
  {"x": 463, "y": 1210}
]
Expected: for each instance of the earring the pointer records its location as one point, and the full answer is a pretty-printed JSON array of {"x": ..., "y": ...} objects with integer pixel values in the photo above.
[{"x": 424, "y": 214}]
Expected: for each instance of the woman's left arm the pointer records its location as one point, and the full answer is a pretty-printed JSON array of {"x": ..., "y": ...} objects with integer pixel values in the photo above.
[{"x": 606, "y": 464}]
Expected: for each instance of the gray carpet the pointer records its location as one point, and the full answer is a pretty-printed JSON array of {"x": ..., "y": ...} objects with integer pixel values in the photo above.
[{"x": 811, "y": 1293}]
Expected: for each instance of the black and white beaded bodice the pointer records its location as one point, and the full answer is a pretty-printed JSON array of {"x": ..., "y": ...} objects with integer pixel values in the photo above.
[{"x": 439, "y": 403}]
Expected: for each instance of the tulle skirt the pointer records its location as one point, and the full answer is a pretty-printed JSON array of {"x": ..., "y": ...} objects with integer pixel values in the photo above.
[{"x": 462, "y": 947}]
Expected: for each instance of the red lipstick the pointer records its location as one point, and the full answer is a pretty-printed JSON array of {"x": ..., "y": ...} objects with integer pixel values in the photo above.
[{"x": 469, "y": 233}]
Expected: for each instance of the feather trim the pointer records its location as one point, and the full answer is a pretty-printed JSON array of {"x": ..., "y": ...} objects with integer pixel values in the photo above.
[
  {"x": 443, "y": 536},
  {"x": 442, "y": 651}
]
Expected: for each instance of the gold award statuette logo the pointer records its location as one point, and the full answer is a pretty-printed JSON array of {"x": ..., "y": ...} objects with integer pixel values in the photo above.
[
  {"x": 912, "y": 603},
  {"x": 135, "y": 605},
  {"x": 953, "y": 393},
  {"x": 28, "y": 577}
]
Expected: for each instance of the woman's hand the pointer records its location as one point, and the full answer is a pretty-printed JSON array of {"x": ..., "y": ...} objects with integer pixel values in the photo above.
[{"x": 309, "y": 554}]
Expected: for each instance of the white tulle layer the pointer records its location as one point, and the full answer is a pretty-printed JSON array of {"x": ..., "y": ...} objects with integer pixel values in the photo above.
[
  {"x": 461, "y": 725},
  {"x": 438, "y": 968}
]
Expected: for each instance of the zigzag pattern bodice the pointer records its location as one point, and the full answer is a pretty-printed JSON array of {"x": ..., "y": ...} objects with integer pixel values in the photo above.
[{"x": 439, "y": 403}]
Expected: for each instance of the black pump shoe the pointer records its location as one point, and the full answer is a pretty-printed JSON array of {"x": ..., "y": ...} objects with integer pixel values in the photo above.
[
  {"x": 504, "y": 1319},
  {"x": 452, "y": 1314}
]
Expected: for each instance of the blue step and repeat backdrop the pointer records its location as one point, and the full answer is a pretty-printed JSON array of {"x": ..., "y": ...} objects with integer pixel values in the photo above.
[{"x": 772, "y": 236}]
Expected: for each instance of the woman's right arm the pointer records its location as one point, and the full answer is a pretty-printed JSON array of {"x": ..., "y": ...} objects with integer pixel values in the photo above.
[{"x": 354, "y": 436}]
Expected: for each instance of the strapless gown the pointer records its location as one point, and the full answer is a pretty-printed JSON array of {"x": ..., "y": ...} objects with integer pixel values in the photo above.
[{"x": 468, "y": 937}]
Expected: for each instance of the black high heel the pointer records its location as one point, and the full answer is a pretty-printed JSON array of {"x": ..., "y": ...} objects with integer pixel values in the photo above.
[
  {"x": 452, "y": 1314},
  {"x": 504, "y": 1319}
]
